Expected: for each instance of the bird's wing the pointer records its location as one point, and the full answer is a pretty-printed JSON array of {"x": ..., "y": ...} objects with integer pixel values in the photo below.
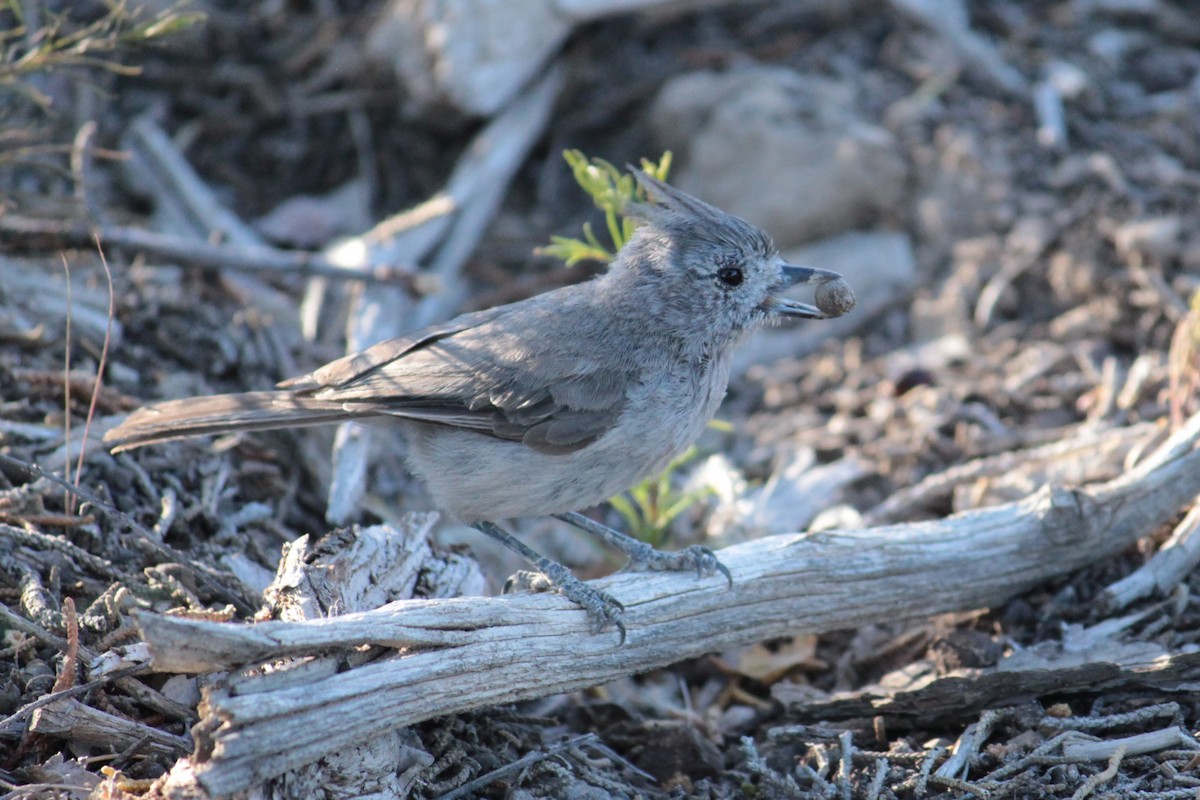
[
  {"x": 483, "y": 372},
  {"x": 358, "y": 365}
]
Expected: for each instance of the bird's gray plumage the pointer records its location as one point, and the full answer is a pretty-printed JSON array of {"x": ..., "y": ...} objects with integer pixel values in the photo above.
[{"x": 553, "y": 403}]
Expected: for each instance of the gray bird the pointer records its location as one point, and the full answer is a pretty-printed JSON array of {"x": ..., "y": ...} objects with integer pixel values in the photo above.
[{"x": 557, "y": 402}]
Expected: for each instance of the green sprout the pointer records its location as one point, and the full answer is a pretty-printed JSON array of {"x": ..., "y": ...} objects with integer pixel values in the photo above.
[
  {"x": 56, "y": 41},
  {"x": 650, "y": 507},
  {"x": 612, "y": 191}
]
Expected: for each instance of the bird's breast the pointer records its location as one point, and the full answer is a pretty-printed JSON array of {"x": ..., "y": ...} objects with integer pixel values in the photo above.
[{"x": 475, "y": 476}]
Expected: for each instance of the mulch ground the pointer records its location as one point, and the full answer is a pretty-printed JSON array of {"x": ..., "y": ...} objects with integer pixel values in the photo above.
[{"x": 1059, "y": 295}]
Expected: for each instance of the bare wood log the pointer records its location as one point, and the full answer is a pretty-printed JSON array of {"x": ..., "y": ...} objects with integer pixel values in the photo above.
[
  {"x": 352, "y": 569},
  {"x": 499, "y": 650}
]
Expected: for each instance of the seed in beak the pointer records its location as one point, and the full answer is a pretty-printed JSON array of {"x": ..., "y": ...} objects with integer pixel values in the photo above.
[{"x": 834, "y": 297}]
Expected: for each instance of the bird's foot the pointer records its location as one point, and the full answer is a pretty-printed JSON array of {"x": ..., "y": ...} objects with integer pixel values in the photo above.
[
  {"x": 700, "y": 559},
  {"x": 644, "y": 557},
  {"x": 602, "y": 608}
]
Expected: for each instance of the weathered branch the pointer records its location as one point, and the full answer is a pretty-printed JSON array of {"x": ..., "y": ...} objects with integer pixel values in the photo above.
[{"x": 465, "y": 653}]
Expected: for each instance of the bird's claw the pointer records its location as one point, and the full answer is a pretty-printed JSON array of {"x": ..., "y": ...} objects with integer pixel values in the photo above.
[
  {"x": 696, "y": 557},
  {"x": 707, "y": 563},
  {"x": 602, "y": 608}
]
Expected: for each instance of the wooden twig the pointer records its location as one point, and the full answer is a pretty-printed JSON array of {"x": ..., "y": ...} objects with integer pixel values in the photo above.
[
  {"x": 186, "y": 206},
  {"x": 470, "y": 652},
  {"x": 178, "y": 189},
  {"x": 1164, "y": 739},
  {"x": 1102, "y": 665},
  {"x": 82, "y": 688},
  {"x": 76, "y": 722},
  {"x": 252, "y": 259},
  {"x": 219, "y": 582},
  {"x": 1173, "y": 562},
  {"x": 35, "y": 298},
  {"x": 135, "y": 688}
]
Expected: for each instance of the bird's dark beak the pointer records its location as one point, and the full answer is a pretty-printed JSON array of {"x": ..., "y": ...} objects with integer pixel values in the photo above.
[{"x": 794, "y": 276}]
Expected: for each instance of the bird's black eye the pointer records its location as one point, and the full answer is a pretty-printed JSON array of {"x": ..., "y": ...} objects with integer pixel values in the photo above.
[{"x": 730, "y": 276}]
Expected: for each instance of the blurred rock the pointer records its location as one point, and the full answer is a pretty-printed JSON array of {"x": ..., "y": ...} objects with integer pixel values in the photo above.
[
  {"x": 879, "y": 266},
  {"x": 475, "y": 55},
  {"x": 787, "y": 151}
]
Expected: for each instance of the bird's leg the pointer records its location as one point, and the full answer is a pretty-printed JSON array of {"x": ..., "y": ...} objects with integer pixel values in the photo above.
[
  {"x": 602, "y": 608},
  {"x": 642, "y": 555}
]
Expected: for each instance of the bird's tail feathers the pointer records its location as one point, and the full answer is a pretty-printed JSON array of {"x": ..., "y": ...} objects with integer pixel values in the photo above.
[{"x": 222, "y": 413}]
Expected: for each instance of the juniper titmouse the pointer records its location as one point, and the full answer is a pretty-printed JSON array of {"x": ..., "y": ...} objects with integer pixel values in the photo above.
[{"x": 558, "y": 402}]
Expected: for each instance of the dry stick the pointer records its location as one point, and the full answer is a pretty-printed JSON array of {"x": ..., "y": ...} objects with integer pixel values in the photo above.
[
  {"x": 66, "y": 678},
  {"x": 1140, "y": 715},
  {"x": 112, "y": 313},
  {"x": 83, "y": 688},
  {"x": 1173, "y": 562},
  {"x": 1100, "y": 778},
  {"x": 940, "y": 484},
  {"x": 81, "y": 171},
  {"x": 1024, "y": 762},
  {"x": 845, "y": 763},
  {"x": 187, "y": 252},
  {"x": 82, "y": 724},
  {"x": 969, "y": 742},
  {"x": 881, "y": 773},
  {"x": 1136, "y": 745},
  {"x": 176, "y": 182},
  {"x": 500, "y": 650},
  {"x": 1184, "y": 350},
  {"x": 68, "y": 501},
  {"x": 80, "y": 161},
  {"x": 40, "y": 540},
  {"x": 980, "y": 55}
]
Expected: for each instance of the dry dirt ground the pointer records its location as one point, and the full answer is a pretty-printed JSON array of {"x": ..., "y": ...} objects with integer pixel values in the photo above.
[{"x": 1055, "y": 294}]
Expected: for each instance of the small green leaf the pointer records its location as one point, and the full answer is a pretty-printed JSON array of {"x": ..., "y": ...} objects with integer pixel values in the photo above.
[
  {"x": 611, "y": 191},
  {"x": 649, "y": 507}
]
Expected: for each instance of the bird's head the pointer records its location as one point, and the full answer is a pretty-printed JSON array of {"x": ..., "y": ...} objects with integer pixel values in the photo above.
[{"x": 705, "y": 273}]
